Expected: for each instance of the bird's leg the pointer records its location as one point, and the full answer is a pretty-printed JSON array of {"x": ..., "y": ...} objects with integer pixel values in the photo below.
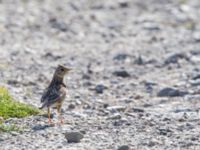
[
  {"x": 59, "y": 113},
  {"x": 49, "y": 116}
]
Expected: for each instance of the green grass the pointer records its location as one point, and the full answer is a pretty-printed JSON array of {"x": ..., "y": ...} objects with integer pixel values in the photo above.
[
  {"x": 9, "y": 108},
  {"x": 9, "y": 128}
]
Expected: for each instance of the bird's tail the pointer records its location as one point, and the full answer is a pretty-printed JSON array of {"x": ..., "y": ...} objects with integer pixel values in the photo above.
[{"x": 41, "y": 107}]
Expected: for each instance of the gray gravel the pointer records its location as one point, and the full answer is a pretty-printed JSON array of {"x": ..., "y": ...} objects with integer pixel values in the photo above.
[{"x": 124, "y": 53}]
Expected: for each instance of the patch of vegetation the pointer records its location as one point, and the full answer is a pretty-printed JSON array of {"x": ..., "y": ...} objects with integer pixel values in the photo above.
[
  {"x": 9, "y": 128},
  {"x": 9, "y": 108}
]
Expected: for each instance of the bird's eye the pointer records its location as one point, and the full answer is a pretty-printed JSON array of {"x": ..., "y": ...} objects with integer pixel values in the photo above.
[{"x": 62, "y": 69}]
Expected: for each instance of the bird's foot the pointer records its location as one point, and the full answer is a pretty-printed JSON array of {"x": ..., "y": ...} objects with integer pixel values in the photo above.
[
  {"x": 61, "y": 122},
  {"x": 51, "y": 123}
]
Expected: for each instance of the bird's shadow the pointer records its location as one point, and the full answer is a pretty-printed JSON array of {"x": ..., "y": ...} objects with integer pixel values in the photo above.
[{"x": 41, "y": 127}]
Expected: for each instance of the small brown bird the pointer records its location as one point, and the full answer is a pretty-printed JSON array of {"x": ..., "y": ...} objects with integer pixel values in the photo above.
[{"x": 54, "y": 95}]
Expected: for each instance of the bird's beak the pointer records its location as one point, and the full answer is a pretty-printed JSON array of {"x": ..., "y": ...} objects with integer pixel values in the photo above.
[{"x": 68, "y": 69}]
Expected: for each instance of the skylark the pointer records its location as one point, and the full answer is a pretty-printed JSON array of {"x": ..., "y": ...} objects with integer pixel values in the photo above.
[{"x": 55, "y": 94}]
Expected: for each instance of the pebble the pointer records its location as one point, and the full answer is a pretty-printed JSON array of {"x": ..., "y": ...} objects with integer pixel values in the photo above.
[
  {"x": 14, "y": 133},
  {"x": 195, "y": 82},
  {"x": 196, "y": 36},
  {"x": 173, "y": 58},
  {"x": 163, "y": 131},
  {"x": 120, "y": 56},
  {"x": 151, "y": 26},
  {"x": 86, "y": 76},
  {"x": 71, "y": 106},
  {"x": 183, "y": 110},
  {"x": 100, "y": 88},
  {"x": 123, "y": 4},
  {"x": 40, "y": 127},
  {"x": 171, "y": 92},
  {"x": 139, "y": 61},
  {"x": 78, "y": 115},
  {"x": 123, "y": 147},
  {"x": 196, "y": 77},
  {"x": 121, "y": 73},
  {"x": 115, "y": 116},
  {"x": 116, "y": 108},
  {"x": 58, "y": 24},
  {"x": 138, "y": 110}
]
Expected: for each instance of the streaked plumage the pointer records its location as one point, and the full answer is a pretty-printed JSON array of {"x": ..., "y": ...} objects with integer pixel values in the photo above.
[{"x": 54, "y": 95}]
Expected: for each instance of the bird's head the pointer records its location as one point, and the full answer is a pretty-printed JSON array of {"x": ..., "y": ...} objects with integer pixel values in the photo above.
[{"x": 61, "y": 70}]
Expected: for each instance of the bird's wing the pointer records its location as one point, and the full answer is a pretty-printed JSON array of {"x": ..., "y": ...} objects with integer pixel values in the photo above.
[
  {"x": 51, "y": 95},
  {"x": 44, "y": 95}
]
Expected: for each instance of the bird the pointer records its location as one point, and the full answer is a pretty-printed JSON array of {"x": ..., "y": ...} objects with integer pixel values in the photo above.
[{"x": 54, "y": 95}]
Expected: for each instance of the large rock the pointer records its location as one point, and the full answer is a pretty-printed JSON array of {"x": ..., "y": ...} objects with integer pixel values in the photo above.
[{"x": 73, "y": 137}]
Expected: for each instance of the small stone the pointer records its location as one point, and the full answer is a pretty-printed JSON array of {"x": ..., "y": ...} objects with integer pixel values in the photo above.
[
  {"x": 163, "y": 131},
  {"x": 116, "y": 108},
  {"x": 87, "y": 83},
  {"x": 83, "y": 131},
  {"x": 183, "y": 110},
  {"x": 120, "y": 57},
  {"x": 14, "y": 133},
  {"x": 196, "y": 36},
  {"x": 78, "y": 115},
  {"x": 13, "y": 82},
  {"x": 100, "y": 88},
  {"x": 112, "y": 25},
  {"x": 139, "y": 61},
  {"x": 149, "y": 86},
  {"x": 73, "y": 137},
  {"x": 121, "y": 73},
  {"x": 171, "y": 92},
  {"x": 86, "y": 76},
  {"x": 195, "y": 82},
  {"x": 125, "y": 121},
  {"x": 123, "y": 4},
  {"x": 151, "y": 26},
  {"x": 59, "y": 146},
  {"x": 196, "y": 77},
  {"x": 195, "y": 52},
  {"x": 58, "y": 24},
  {"x": 138, "y": 110},
  {"x": 194, "y": 138},
  {"x": 71, "y": 106},
  {"x": 147, "y": 105},
  {"x": 105, "y": 105},
  {"x": 115, "y": 116},
  {"x": 123, "y": 147},
  {"x": 40, "y": 127},
  {"x": 173, "y": 58},
  {"x": 195, "y": 59},
  {"x": 52, "y": 56}
]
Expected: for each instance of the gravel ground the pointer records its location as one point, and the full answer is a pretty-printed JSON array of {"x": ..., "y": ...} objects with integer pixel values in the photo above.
[{"x": 136, "y": 77}]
